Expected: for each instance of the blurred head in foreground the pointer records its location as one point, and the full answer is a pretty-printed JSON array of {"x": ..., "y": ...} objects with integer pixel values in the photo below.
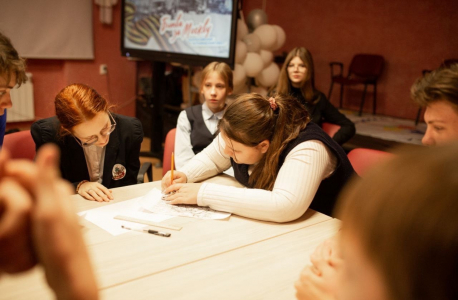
[{"x": 400, "y": 235}]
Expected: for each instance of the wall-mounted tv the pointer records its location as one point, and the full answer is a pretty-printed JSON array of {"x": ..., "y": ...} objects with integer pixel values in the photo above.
[{"x": 190, "y": 32}]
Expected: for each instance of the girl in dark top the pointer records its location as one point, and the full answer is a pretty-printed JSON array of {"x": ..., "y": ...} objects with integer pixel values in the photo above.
[
  {"x": 99, "y": 149},
  {"x": 297, "y": 78}
]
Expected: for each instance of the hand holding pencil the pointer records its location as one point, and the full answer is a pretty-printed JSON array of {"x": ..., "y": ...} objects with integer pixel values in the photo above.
[{"x": 172, "y": 176}]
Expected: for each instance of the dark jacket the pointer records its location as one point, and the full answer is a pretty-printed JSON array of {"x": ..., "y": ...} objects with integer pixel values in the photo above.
[
  {"x": 201, "y": 137},
  {"x": 323, "y": 111},
  {"x": 123, "y": 148},
  {"x": 328, "y": 191}
]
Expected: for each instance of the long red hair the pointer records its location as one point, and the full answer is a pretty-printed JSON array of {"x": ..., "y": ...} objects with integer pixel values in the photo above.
[{"x": 76, "y": 104}]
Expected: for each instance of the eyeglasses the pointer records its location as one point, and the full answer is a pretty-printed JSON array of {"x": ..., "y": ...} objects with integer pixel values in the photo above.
[{"x": 93, "y": 139}]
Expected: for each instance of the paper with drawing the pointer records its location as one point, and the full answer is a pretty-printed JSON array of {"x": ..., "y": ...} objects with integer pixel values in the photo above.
[
  {"x": 153, "y": 202},
  {"x": 149, "y": 207},
  {"x": 103, "y": 216}
]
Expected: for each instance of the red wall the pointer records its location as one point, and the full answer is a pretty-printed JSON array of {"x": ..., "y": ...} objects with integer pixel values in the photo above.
[
  {"x": 412, "y": 35},
  {"x": 118, "y": 86}
]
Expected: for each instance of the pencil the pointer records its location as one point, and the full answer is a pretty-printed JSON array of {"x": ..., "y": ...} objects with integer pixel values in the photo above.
[{"x": 171, "y": 169}]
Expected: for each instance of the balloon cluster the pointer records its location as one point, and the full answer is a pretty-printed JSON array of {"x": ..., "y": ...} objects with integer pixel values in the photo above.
[{"x": 254, "y": 52}]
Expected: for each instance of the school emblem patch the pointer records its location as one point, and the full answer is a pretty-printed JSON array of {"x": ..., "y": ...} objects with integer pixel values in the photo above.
[{"x": 119, "y": 171}]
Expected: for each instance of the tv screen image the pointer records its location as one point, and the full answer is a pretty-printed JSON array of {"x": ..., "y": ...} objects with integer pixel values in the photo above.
[{"x": 183, "y": 31}]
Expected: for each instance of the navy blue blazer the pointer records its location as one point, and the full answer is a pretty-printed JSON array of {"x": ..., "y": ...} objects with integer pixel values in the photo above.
[{"x": 123, "y": 148}]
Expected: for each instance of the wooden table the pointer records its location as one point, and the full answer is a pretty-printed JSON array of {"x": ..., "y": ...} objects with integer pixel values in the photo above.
[{"x": 238, "y": 258}]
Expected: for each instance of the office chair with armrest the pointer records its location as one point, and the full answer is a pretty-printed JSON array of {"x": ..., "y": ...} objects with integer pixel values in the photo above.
[
  {"x": 145, "y": 168},
  {"x": 364, "y": 69},
  {"x": 362, "y": 159},
  {"x": 169, "y": 147},
  {"x": 20, "y": 144}
]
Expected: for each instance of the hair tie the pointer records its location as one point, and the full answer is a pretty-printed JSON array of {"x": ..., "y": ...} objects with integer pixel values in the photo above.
[{"x": 273, "y": 104}]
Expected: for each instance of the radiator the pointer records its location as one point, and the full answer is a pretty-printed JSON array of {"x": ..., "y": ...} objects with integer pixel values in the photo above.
[{"x": 23, "y": 106}]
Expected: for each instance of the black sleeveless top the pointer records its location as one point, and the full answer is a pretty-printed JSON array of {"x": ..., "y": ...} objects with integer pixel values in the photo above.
[
  {"x": 326, "y": 195},
  {"x": 201, "y": 137}
]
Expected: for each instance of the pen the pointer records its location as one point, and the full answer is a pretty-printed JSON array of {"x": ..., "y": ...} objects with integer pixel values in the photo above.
[
  {"x": 150, "y": 231},
  {"x": 171, "y": 169}
]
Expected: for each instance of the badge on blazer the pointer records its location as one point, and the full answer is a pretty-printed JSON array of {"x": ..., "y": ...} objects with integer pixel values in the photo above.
[{"x": 119, "y": 171}]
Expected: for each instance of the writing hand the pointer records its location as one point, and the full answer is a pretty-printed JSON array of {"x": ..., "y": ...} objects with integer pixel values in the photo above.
[
  {"x": 178, "y": 177},
  {"x": 185, "y": 193}
]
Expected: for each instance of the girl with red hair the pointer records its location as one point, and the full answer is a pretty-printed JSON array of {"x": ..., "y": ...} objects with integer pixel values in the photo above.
[{"x": 99, "y": 149}]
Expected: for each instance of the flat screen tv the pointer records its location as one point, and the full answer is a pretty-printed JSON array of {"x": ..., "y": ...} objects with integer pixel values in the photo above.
[{"x": 190, "y": 32}]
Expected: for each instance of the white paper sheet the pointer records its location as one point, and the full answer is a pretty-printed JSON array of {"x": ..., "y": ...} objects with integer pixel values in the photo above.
[
  {"x": 104, "y": 216},
  {"x": 153, "y": 202}
]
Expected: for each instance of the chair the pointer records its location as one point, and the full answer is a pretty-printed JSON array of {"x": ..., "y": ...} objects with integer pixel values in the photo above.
[
  {"x": 20, "y": 144},
  {"x": 330, "y": 128},
  {"x": 364, "y": 69},
  {"x": 145, "y": 168},
  {"x": 362, "y": 159},
  {"x": 169, "y": 147}
]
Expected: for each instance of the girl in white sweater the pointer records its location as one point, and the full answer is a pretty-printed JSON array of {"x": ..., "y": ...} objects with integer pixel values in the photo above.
[{"x": 287, "y": 163}]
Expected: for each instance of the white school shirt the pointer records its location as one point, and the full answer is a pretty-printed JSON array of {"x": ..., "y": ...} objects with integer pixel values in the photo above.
[
  {"x": 305, "y": 166},
  {"x": 183, "y": 147},
  {"x": 95, "y": 160}
]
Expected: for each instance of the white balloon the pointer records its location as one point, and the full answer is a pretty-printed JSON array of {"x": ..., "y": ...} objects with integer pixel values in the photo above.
[
  {"x": 240, "y": 52},
  {"x": 253, "y": 42},
  {"x": 242, "y": 29},
  {"x": 259, "y": 90},
  {"x": 253, "y": 64},
  {"x": 267, "y": 57},
  {"x": 269, "y": 76},
  {"x": 268, "y": 36},
  {"x": 281, "y": 37},
  {"x": 238, "y": 75}
]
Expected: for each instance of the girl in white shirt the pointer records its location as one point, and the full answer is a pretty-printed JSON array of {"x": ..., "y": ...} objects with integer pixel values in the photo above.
[
  {"x": 287, "y": 163},
  {"x": 197, "y": 125}
]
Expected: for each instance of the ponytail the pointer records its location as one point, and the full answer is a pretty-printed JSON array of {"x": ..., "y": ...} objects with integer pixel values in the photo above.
[{"x": 251, "y": 119}]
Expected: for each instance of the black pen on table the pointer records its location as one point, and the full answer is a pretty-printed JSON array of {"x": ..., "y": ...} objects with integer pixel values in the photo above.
[{"x": 150, "y": 231}]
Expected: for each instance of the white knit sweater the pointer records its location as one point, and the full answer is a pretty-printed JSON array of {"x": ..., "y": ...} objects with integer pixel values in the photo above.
[{"x": 297, "y": 182}]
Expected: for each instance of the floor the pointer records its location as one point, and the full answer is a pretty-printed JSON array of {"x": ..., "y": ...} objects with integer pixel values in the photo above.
[{"x": 383, "y": 133}]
